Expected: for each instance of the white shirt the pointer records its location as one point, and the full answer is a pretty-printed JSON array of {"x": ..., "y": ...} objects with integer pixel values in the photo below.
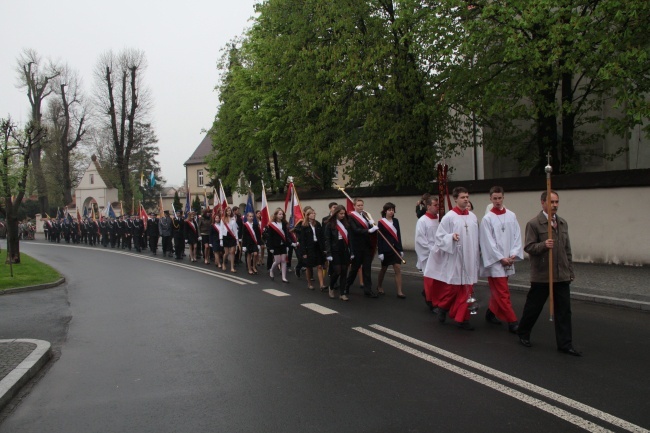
[
  {"x": 425, "y": 239},
  {"x": 500, "y": 238},
  {"x": 455, "y": 262}
]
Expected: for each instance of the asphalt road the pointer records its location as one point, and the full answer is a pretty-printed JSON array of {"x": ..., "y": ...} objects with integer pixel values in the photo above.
[{"x": 153, "y": 345}]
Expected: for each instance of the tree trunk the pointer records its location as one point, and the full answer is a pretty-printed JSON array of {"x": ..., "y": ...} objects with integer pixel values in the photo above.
[
  {"x": 13, "y": 246},
  {"x": 41, "y": 184}
]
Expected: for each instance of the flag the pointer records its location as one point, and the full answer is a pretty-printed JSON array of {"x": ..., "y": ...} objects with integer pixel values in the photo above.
[
  {"x": 265, "y": 210},
  {"x": 161, "y": 208},
  {"x": 85, "y": 212},
  {"x": 110, "y": 212},
  {"x": 92, "y": 212},
  {"x": 78, "y": 216},
  {"x": 173, "y": 211},
  {"x": 121, "y": 209},
  {"x": 292, "y": 208},
  {"x": 249, "y": 206},
  {"x": 143, "y": 216},
  {"x": 142, "y": 179},
  {"x": 152, "y": 180},
  {"x": 222, "y": 197},
  {"x": 216, "y": 203},
  {"x": 349, "y": 206},
  {"x": 187, "y": 201}
]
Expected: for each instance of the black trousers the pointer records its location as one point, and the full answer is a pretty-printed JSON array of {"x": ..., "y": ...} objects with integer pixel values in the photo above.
[
  {"x": 153, "y": 243},
  {"x": 363, "y": 260},
  {"x": 167, "y": 245},
  {"x": 535, "y": 302}
]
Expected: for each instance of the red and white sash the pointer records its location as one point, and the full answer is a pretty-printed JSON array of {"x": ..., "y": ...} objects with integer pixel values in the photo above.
[
  {"x": 216, "y": 227},
  {"x": 279, "y": 231},
  {"x": 360, "y": 219},
  {"x": 343, "y": 232},
  {"x": 192, "y": 226},
  {"x": 251, "y": 232},
  {"x": 230, "y": 232},
  {"x": 389, "y": 227}
]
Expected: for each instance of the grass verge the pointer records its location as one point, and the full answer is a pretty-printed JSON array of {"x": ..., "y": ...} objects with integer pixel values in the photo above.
[{"x": 30, "y": 272}]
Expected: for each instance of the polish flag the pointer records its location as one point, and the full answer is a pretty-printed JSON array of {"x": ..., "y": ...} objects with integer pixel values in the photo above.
[
  {"x": 222, "y": 198},
  {"x": 292, "y": 208},
  {"x": 265, "y": 210},
  {"x": 143, "y": 216},
  {"x": 216, "y": 203},
  {"x": 349, "y": 206}
]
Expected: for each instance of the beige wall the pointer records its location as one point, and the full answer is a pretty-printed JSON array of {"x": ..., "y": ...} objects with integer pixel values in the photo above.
[
  {"x": 192, "y": 177},
  {"x": 605, "y": 225}
]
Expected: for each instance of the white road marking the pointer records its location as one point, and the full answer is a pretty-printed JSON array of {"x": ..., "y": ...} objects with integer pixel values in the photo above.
[
  {"x": 539, "y": 404},
  {"x": 186, "y": 266},
  {"x": 519, "y": 382},
  {"x": 275, "y": 292},
  {"x": 319, "y": 309}
]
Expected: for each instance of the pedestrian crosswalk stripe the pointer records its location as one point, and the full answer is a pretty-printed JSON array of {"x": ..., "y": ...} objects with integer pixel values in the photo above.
[
  {"x": 319, "y": 309},
  {"x": 275, "y": 292}
]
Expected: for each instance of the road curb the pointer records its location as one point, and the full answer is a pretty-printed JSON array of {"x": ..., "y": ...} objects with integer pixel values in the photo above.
[
  {"x": 32, "y": 288},
  {"x": 27, "y": 369}
]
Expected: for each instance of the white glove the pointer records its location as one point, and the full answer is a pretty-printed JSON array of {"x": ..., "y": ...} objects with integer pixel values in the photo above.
[
  {"x": 244, "y": 249},
  {"x": 221, "y": 243},
  {"x": 271, "y": 251},
  {"x": 294, "y": 245},
  {"x": 352, "y": 257},
  {"x": 401, "y": 253},
  {"x": 330, "y": 258},
  {"x": 373, "y": 229},
  {"x": 372, "y": 223},
  {"x": 381, "y": 257}
]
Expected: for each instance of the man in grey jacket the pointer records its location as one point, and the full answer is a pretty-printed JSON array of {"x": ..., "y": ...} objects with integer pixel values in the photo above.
[{"x": 537, "y": 244}]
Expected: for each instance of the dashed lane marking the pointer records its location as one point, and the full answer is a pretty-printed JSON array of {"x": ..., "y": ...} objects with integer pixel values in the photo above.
[
  {"x": 319, "y": 309},
  {"x": 275, "y": 292}
]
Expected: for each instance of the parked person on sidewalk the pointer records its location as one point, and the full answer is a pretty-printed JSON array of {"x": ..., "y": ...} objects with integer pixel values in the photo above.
[
  {"x": 500, "y": 241},
  {"x": 338, "y": 251},
  {"x": 425, "y": 240},
  {"x": 455, "y": 260},
  {"x": 311, "y": 248},
  {"x": 277, "y": 243},
  {"x": 361, "y": 227},
  {"x": 387, "y": 244},
  {"x": 537, "y": 244}
]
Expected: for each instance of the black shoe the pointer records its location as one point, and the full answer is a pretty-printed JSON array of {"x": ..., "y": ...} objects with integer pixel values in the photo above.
[
  {"x": 370, "y": 294},
  {"x": 297, "y": 271},
  {"x": 465, "y": 326},
  {"x": 570, "y": 351},
  {"x": 491, "y": 318},
  {"x": 524, "y": 342},
  {"x": 442, "y": 315},
  {"x": 513, "y": 327},
  {"x": 401, "y": 296}
]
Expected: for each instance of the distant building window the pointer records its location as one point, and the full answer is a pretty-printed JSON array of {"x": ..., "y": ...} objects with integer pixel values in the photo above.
[
  {"x": 92, "y": 179},
  {"x": 200, "y": 177}
]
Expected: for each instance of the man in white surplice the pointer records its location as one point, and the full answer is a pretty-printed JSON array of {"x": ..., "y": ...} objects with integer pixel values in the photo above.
[
  {"x": 454, "y": 260},
  {"x": 500, "y": 239},
  {"x": 425, "y": 240}
]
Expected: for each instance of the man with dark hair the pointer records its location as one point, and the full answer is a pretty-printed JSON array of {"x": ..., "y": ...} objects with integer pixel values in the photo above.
[
  {"x": 537, "y": 244},
  {"x": 454, "y": 262},
  {"x": 425, "y": 241},
  {"x": 361, "y": 227},
  {"x": 500, "y": 240}
]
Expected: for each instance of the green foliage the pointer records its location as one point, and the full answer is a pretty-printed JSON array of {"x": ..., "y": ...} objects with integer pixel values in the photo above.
[
  {"x": 196, "y": 204},
  {"x": 388, "y": 88},
  {"x": 29, "y": 272},
  {"x": 177, "y": 202}
]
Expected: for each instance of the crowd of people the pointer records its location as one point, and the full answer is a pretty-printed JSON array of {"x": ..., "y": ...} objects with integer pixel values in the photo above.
[{"x": 452, "y": 252}]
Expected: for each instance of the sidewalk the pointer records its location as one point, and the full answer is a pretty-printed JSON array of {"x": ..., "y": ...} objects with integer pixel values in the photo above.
[
  {"x": 623, "y": 286},
  {"x": 20, "y": 360}
]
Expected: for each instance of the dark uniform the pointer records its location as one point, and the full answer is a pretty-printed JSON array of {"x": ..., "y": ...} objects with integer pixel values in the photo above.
[{"x": 152, "y": 233}]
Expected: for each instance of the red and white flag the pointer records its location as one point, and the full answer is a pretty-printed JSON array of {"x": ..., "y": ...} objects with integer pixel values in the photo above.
[
  {"x": 265, "y": 210},
  {"x": 222, "y": 198},
  {"x": 292, "y": 208},
  {"x": 143, "y": 216}
]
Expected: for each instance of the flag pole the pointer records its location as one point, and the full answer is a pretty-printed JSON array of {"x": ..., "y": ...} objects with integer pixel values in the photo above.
[
  {"x": 548, "y": 169},
  {"x": 378, "y": 231}
]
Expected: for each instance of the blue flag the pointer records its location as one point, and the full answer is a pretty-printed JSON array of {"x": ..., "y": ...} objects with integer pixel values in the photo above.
[
  {"x": 187, "y": 203},
  {"x": 152, "y": 180},
  {"x": 85, "y": 212},
  {"x": 249, "y": 207},
  {"x": 111, "y": 212}
]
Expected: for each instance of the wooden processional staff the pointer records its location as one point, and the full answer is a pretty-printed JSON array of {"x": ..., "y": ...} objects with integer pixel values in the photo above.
[{"x": 548, "y": 169}]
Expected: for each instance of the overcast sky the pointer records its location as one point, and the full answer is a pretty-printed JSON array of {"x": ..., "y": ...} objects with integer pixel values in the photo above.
[{"x": 182, "y": 42}]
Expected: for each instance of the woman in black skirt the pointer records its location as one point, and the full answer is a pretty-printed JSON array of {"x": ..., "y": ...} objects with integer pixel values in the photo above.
[
  {"x": 191, "y": 233},
  {"x": 338, "y": 249},
  {"x": 311, "y": 247},
  {"x": 389, "y": 228},
  {"x": 277, "y": 242},
  {"x": 250, "y": 242},
  {"x": 230, "y": 238},
  {"x": 216, "y": 230}
]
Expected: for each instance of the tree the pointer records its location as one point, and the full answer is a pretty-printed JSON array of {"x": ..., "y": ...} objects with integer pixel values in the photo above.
[
  {"x": 122, "y": 96},
  {"x": 36, "y": 77},
  {"x": 67, "y": 116},
  {"x": 177, "y": 202},
  {"x": 538, "y": 71},
  {"x": 15, "y": 155}
]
